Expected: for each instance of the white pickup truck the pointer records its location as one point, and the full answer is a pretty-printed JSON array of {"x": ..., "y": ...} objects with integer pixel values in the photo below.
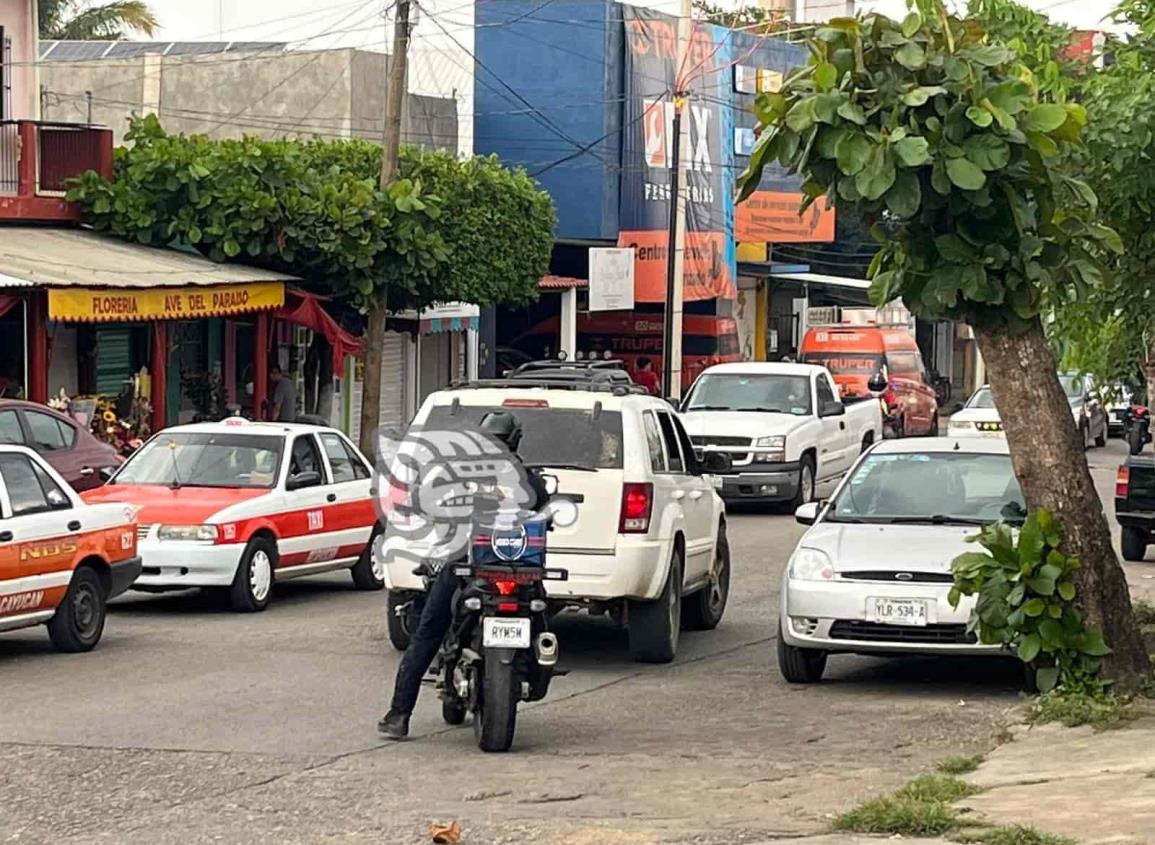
[{"x": 788, "y": 435}]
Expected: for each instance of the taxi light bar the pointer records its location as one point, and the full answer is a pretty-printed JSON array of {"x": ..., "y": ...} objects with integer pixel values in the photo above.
[{"x": 1122, "y": 482}]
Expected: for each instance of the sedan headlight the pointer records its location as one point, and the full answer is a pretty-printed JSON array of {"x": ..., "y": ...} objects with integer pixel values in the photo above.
[
  {"x": 188, "y": 533},
  {"x": 959, "y": 425},
  {"x": 811, "y": 565}
]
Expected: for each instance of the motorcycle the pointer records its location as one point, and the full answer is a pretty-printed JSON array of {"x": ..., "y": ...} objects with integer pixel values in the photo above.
[
  {"x": 499, "y": 650},
  {"x": 1137, "y": 428}
]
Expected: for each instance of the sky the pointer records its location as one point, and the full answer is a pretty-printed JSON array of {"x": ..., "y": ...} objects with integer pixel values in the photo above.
[{"x": 357, "y": 22}]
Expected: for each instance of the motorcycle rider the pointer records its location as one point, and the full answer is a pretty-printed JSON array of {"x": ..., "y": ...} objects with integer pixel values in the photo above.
[{"x": 437, "y": 613}]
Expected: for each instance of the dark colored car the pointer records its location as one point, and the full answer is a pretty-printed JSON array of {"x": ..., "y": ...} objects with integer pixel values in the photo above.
[{"x": 71, "y": 449}]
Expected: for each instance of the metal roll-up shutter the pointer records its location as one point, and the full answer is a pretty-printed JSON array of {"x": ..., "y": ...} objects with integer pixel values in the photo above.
[
  {"x": 113, "y": 360},
  {"x": 393, "y": 381}
]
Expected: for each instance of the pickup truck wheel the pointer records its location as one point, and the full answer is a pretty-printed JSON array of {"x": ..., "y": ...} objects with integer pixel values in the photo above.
[
  {"x": 799, "y": 665},
  {"x": 654, "y": 625},
  {"x": 79, "y": 620},
  {"x": 1134, "y": 543},
  {"x": 703, "y": 610},
  {"x": 805, "y": 483}
]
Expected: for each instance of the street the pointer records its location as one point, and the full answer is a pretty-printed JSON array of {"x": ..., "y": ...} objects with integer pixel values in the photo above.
[{"x": 192, "y": 724}]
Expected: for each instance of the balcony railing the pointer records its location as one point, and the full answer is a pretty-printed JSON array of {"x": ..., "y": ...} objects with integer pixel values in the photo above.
[{"x": 38, "y": 158}]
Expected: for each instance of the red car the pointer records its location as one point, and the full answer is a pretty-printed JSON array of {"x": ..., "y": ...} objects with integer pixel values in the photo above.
[{"x": 71, "y": 449}]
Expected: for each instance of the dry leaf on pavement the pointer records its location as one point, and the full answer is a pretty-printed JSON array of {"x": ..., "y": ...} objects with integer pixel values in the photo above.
[{"x": 446, "y": 834}]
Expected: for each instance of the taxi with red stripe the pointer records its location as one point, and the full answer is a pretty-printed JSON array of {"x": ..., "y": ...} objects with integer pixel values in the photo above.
[
  {"x": 61, "y": 560},
  {"x": 238, "y": 506}
]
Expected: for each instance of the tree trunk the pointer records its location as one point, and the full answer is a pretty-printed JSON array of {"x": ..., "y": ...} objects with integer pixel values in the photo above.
[
  {"x": 371, "y": 383},
  {"x": 1050, "y": 463}
]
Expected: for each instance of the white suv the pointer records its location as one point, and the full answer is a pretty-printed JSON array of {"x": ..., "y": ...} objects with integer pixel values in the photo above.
[{"x": 649, "y": 544}]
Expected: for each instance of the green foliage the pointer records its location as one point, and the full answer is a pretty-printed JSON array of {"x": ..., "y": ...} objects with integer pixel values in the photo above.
[
  {"x": 921, "y": 808},
  {"x": 1016, "y": 834},
  {"x": 750, "y": 18},
  {"x": 1026, "y": 601},
  {"x": 444, "y": 231},
  {"x": 74, "y": 20},
  {"x": 960, "y": 765},
  {"x": 931, "y": 124},
  {"x": 1091, "y": 706}
]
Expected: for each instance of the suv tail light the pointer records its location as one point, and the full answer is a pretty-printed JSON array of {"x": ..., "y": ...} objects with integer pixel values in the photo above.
[
  {"x": 637, "y": 505},
  {"x": 1122, "y": 482}
]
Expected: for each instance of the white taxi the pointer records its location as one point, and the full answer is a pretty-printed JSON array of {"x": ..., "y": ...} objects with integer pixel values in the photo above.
[{"x": 239, "y": 505}]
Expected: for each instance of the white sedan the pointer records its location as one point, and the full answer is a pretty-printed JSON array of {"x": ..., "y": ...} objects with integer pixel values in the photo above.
[
  {"x": 978, "y": 416},
  {"x": 873, "y": 573}
]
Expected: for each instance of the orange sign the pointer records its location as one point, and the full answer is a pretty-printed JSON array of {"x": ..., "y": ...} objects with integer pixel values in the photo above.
[
  {"x": 707, "y": 274},
  {"x": 772, "y": 217}
]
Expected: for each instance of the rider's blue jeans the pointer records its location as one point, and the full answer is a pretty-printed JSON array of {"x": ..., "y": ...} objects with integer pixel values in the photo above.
[{"x": 436, "y": 617}]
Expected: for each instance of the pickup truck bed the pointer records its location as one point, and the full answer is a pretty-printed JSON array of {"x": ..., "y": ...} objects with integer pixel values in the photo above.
[{"x": 1135, "y": 504}]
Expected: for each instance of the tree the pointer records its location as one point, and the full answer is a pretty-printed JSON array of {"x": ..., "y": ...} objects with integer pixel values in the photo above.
[
  {"x": 80, "y": 21},
  {"x": 446, "y": 230},
  {"x": 755, "y": 19},
  {"x": 941, "y": 128}
]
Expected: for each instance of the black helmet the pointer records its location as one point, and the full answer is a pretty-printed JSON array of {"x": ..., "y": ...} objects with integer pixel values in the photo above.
[{"x": 504, "y": 427}]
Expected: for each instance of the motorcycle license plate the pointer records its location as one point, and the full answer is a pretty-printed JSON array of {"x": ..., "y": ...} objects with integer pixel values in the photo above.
[{"x": 499, "y": 632}]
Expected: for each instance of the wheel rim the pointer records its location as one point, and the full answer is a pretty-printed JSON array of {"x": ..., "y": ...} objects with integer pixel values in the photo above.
[
  {"x": 720, "y": 583},
  {"x": 260, "y": 575},
  {"x": 376, "y": 563},
  {"x": 807, "y": 484},
  {"x": 86, "y": 610},
  {"x": 675, "y": 606}
]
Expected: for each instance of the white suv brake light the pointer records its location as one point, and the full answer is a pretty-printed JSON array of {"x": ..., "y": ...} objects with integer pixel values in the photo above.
[{"x": 637, "y": 506}]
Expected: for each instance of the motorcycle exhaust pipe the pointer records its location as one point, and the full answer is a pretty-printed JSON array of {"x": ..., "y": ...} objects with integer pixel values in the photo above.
[{"x": 546, "y": 649}]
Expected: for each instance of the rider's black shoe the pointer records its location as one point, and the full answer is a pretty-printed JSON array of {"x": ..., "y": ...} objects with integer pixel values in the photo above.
[{"x": 394, "y": 725}]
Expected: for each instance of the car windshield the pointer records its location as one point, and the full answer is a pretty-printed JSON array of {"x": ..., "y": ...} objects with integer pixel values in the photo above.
[
  {"x": 205, "y": 460},
  {"x": 551, "y": 437},
  {"x": 982, "y": 399},
  {"x": 930, "y": 487},
  {"x": 783, "y": 394}
]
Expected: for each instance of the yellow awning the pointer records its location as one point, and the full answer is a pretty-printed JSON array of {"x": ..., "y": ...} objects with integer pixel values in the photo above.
[{"x": 87, "y": 305}]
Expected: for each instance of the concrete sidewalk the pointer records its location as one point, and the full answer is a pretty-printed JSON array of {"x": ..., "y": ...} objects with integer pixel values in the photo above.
[{"x": 1096, "y": 788}]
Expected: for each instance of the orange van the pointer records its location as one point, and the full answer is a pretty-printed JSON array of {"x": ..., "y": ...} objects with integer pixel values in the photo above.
[
  {"x": 853, "y": 354},
  {"x": 61, "y": 560}
]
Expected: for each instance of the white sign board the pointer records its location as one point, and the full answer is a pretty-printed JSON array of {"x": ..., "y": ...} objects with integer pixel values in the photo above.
[{"x": 611, "y": 279}]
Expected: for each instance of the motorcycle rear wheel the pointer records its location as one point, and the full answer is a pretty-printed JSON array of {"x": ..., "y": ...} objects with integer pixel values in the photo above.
[{"x": 496, "y": 716}]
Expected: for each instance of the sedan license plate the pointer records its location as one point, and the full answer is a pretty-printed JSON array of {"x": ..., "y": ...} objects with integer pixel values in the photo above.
[
  {"x": 912, "y": 612},
  {"x": 505, "y": 633}
]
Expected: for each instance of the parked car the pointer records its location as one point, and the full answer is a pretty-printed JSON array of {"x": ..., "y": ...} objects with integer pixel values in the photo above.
[
  {"x": 71, "y": 449},
  {"x": 978, "y": 416},
  {"x": 872, "y": 574},
  {"x": 853, "y": 354},
  {"x": 789, "y": 437},
  {"x": 649, "y": 543},
  {"x": 61, "y": 560},
  {"x": 240, "y": 506},
  {"x": 1086, "y": 409}
]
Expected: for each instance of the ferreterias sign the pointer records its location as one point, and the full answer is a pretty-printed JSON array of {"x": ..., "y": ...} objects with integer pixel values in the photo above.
[{"x": 104, "y": 305}]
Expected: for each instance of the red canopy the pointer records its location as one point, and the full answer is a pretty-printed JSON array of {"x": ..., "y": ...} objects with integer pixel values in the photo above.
[{"x": 305, "y": 309}]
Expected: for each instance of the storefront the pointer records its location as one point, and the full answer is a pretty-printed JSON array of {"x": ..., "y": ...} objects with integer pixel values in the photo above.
[{"x": 93, "y": 316}]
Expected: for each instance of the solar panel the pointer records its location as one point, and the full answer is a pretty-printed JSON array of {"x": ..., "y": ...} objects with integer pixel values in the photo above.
[
  {"x": 128, "y": 49},
  {"x": 72, "y": 51},
  {"x": 195, "y": 48}
]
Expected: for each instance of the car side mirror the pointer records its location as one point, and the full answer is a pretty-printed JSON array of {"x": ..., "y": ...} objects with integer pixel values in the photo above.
[
  {"x": 806, "y": 514},
  {"x": 717, "y": 463},
  {"x": 877, "y": 383},
  {"x": 106, "y": 473},
  {"x": 302, "y": 480},
  {"x": 832, "y": 409}
]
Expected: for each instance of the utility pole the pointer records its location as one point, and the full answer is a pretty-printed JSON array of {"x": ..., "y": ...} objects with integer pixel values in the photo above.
[
  {"x": 391, "y": 141},
  {"x": 676, "y": 242}
]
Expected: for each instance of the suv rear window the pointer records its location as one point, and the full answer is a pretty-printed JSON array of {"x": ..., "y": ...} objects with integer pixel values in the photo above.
[{"x": 550, "y": 435}]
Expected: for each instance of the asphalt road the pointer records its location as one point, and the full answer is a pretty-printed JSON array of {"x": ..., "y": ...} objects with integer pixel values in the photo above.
[{"x": 194, "y": 725}]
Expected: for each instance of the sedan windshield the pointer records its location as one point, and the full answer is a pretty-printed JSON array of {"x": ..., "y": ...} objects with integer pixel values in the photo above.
[
  {"x": 751, "y": 392},
  {"x": 982, "y": 399},
  {"x": 932, "y": 488},
  {"x": 205, "y": 460}
]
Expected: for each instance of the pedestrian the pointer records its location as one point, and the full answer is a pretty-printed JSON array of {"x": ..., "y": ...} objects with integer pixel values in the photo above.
[
  {"x": 284, "y": 404},
  {"x": 646, "y": 376}
]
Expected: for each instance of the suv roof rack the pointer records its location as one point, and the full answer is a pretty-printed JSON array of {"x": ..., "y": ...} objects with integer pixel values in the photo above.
[
  {"x": 587, "y": 368},
  {"x": 615, "y": 387}
]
